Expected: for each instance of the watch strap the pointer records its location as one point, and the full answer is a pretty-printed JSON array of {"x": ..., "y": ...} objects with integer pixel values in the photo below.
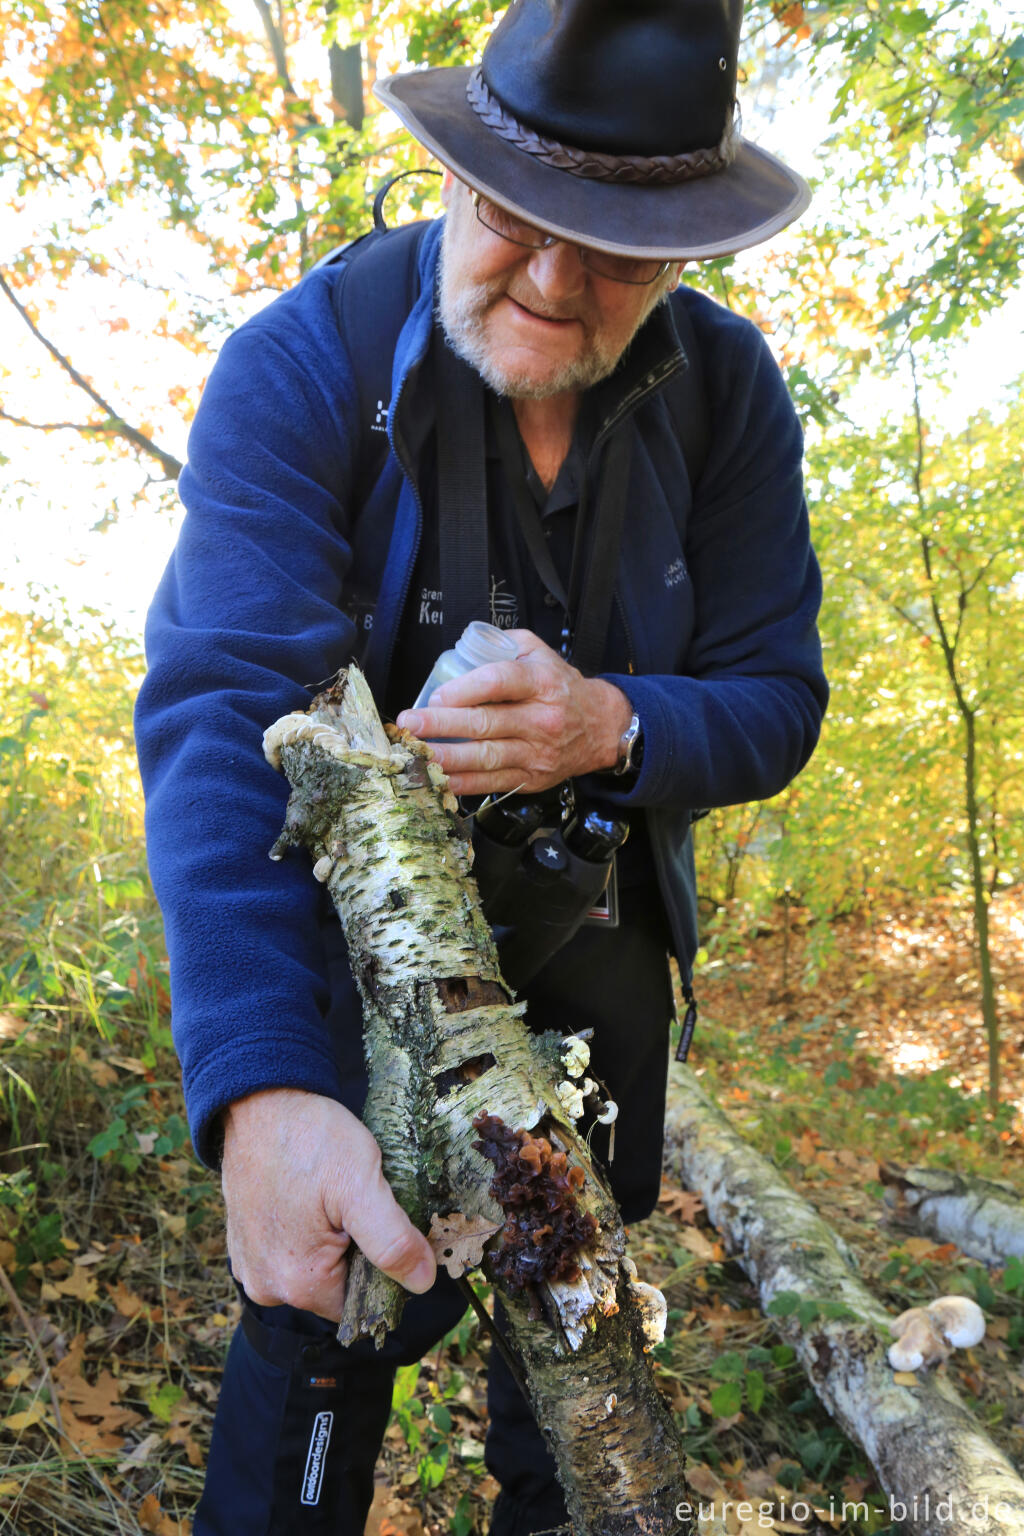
[{"x": 630, "y": 748}]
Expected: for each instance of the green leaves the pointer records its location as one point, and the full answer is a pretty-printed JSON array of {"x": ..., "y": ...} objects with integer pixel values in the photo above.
[
  {"x": 109, "y": 1140},
  {"x": 741, "y": 1381},
  {"x": 808, "y": 1309},
  {"x": 727, "y": 1399}
]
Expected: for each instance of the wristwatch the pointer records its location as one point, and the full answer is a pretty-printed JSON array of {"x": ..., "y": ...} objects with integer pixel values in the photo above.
[{"x": 631, "y": 748}]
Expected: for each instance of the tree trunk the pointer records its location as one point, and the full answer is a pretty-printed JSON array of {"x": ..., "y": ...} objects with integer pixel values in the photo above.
[
  {"x": 930, "y": 1453},
  {"x": 984, "y": 1218},
  {"x": 445, "y": 1046},
  {"x": 980, "y": 895}
]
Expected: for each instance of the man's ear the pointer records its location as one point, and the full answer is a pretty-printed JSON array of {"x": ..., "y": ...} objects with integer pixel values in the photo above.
[{"x": 447, "y": 186}]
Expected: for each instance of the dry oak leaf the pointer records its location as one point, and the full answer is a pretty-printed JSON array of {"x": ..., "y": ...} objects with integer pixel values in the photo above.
[
  {"x": 696, "y": 1243},
  {"x": 458, "y": 1241},
  {"x": 80, "y": 1285},
  {"x": 390, "y": 1515},
  {"x": 682, "y": 1203},
  {"x": 93, "y": 1417},
  {"x": 919, "y": 1247},
  {"x": 152, "y": 1518},
  {"x": 125, "y": 1301},
  {"x": 180, "y": 1431}
]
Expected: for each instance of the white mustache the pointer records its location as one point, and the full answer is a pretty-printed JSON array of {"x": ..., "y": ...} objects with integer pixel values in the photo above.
[{"x": 544, "y": 311}]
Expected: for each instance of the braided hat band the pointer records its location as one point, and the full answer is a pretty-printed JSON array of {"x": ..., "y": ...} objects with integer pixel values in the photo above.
[{"x": 651, "y": 170}]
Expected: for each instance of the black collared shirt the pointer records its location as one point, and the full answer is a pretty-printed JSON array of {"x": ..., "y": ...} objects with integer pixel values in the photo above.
[{"x": 519, "y": 598}]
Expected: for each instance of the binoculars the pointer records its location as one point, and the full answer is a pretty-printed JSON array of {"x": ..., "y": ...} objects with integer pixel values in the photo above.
[{"x": 539, "y": 882}]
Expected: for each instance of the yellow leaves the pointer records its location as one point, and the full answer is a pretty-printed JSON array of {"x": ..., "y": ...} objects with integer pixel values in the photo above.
[
  {"x": 28, "y": 1418},
  {"x": 792, "y": 19},
  {"x": 80, "y": 1286}
]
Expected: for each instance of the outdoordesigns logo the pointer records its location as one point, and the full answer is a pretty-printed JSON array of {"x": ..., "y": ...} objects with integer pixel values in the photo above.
[{"x": 313, "y": 1477}]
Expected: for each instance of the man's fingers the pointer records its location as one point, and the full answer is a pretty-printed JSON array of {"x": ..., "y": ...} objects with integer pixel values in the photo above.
[
  {"x": 472, "y": 724},
  {"x": 313, "y": 1282},
  {"x": 499, "y": 682},
  {"x": 508, "y": 781}
]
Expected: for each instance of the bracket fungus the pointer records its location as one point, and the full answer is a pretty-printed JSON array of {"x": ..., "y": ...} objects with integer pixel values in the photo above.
[{"x": 651, "y": 1303}]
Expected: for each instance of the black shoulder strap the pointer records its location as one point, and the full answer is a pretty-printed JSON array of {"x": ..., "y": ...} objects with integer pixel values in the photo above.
[
  {"x": 371, "y": 301},
  {"x": 372, "y": 298},
  {"x": 461, "y": 493},
  {"x": 687, "y": 398}
]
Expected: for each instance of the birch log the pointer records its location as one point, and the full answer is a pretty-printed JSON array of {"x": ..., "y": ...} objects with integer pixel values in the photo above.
[
  {"x": 983, "y": 1217},
  {"x": 930, "y": 1452},
  {"x": 446, "y": 1045}
]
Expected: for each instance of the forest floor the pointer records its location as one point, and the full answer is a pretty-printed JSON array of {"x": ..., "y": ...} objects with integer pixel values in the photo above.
[{"x": 116, "y": 1312}]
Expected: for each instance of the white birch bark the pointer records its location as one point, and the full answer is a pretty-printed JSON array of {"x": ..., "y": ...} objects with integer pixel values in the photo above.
[
  {"x": 930, "y": 1452},
  {"x": 444, "y": 1043},
  {"x": 983, "y": 1217}
]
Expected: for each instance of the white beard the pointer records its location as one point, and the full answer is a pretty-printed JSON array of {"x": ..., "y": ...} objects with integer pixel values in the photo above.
[{"x": 462, "y": 310}]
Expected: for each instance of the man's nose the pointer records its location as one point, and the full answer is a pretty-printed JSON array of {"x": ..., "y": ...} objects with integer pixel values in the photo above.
[{"x": 557, "y": 272}]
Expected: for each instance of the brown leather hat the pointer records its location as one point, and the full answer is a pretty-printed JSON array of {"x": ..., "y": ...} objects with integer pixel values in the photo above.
[{"x": 611, "y": 123}]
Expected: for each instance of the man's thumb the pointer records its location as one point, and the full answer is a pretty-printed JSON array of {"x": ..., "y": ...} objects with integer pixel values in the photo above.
[{"x": 388, "y": 1238}]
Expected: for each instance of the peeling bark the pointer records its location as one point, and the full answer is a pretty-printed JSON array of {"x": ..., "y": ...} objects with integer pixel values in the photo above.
[
  {"x": 445, "y": 1043},
  {"x": 982, "y": 1217},
  {"x": 926, "y": 1446}
]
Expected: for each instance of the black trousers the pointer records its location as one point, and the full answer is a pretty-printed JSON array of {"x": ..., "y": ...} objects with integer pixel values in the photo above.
[{"x": 300, "y": 1420}]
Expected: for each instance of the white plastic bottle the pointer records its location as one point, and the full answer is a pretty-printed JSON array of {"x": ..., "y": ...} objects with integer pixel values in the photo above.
[{"x": 478, "y": 644}]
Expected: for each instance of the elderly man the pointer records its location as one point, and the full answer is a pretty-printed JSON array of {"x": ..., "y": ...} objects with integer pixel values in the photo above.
[{"x": 634, "y": 518}]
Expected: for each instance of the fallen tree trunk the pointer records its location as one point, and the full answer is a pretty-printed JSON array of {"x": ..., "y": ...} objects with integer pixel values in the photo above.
[
  {"x": 930, "y": 1453},
  {"x": 465, "y": 1104},
  {"x": 982, "y": 1217}
]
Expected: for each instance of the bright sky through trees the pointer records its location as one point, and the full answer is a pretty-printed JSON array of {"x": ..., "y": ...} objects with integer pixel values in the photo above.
[{"x": 54, "y": 495}]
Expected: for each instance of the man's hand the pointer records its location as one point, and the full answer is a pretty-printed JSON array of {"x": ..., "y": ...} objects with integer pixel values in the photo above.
[
  {"x": 302, "y": 1180},
  {"x": 525, "y": 724}
]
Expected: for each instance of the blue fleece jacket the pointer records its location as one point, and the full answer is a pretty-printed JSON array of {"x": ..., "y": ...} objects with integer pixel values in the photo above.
[{"x": 719, "y": 591}]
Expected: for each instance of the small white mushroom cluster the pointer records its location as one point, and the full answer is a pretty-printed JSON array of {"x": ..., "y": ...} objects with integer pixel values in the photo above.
[
  {"x": 927, "y": 1335},
  {"x": 576, "y": 1059}
]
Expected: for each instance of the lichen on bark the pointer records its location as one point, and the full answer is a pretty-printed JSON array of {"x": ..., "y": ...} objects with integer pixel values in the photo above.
[{"x": 446, "y": 1045}]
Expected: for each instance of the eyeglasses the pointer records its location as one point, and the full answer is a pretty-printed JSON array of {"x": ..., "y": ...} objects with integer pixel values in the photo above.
[{"x": 640, "y": 271}]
